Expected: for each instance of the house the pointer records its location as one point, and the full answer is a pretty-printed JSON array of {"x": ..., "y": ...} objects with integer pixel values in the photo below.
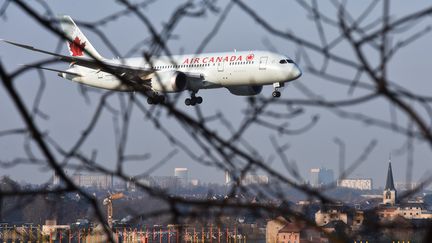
[
  {"x": 329, "y": 213},
  {"x": 290, "y": 233},
  {"x": 273, "y": 228}
]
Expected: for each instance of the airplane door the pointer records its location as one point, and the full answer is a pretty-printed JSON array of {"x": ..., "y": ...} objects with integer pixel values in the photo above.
[
  {"x": 263, "y": 63},
  {"x": 221, "y": 66}
]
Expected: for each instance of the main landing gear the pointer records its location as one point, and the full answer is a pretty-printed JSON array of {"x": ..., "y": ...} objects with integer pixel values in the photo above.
[
  {"x": 193, "y": 100},
  {"x": 156, "y": 99},
  {"x": 276, "y": 86}
]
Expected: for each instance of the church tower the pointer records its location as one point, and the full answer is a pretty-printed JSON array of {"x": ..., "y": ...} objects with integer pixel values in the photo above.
[{"x": 389, "y": 194}]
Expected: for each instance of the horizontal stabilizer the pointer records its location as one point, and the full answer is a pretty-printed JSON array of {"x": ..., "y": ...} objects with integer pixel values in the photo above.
[
  {"x": 55, "y": 70},
  {"x": 31, "y": 48}
]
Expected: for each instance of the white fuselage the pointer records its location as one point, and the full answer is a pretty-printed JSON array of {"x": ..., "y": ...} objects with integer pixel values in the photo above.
[{"x": 210, "y": 70}]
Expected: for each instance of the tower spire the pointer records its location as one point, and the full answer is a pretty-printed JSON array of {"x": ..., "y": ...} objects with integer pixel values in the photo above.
[
  {"x": 389, "y": 194},
  {"x": 389, "y": 183}
]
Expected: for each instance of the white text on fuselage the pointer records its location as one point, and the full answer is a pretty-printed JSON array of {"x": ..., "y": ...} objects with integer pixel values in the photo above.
[{"x": 204, "y": 60}]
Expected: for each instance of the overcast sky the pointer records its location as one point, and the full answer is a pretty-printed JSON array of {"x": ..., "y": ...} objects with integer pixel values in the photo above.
[{"x": 69, "y": 114}]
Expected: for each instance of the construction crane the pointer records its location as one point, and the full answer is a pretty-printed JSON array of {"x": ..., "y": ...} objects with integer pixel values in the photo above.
[{"x": 108, "y": 202}]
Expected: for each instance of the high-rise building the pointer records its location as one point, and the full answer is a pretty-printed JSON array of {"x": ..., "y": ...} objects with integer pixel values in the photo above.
[
  {"x": 183, "y": 175},
  {"x": 247, "y": 179},
  {"x": 402, "y": 186},
  {"x": 250, "y": 179},
  {"x": 359, "y": 184},
  {"x": 194, "y": 182},
  {"x": 228, "y": 178},
  {"x": 321, "y": 177},
  {"x": 101, "y": 181},
  {"x": 132, "y": 184},
  {"x": 56, "y": 180}
]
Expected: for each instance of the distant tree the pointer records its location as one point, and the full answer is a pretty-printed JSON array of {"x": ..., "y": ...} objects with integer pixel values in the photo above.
[{"x": 10, "y": 206}]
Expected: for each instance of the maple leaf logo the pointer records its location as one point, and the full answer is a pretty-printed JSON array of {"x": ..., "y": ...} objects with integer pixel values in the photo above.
[
  {"x": 76, "y": 47},
  {"x": 250, "y": 57}
]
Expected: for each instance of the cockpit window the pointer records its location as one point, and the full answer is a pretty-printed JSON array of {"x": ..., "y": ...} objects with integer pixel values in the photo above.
[{"x": 285, "y": 61}]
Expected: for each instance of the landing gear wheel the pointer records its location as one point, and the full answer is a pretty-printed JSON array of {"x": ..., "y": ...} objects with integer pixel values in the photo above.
[
  {"x": 188, "y": 102},
  {"x": 276, "y": 94},
  {"x": 160, "y": 99},
  {"x": 157, "y": 99},
  {"x": 193, "y": 101}
]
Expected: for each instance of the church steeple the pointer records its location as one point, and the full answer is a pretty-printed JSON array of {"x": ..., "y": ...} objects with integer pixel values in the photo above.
[
  {"x": 389, "y": 194},
  {"x": 389, "y": 183}
]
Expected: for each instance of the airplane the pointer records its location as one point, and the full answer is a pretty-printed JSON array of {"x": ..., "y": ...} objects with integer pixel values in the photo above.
[{"x": 243, "y": 73}]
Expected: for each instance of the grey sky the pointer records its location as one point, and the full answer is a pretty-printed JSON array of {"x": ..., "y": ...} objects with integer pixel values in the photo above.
[{"x": 69, "y": 114}]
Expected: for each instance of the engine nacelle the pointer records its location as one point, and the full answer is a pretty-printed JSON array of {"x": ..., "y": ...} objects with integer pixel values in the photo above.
[
  {"x": 169, "y": 81},
  {"x": 245, "y": 90}
]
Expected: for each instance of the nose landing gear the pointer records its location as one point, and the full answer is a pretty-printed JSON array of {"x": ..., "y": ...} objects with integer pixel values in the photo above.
[
  {"x": 276, "y": 93},
  {"x": 193, "y": 100}
]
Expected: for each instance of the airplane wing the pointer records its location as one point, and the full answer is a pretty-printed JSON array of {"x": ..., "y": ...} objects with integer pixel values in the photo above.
[{"x": 130, "y": 72}]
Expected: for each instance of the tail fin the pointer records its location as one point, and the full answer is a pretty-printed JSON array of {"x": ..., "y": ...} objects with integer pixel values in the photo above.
[{"x": 80, "y": 42}]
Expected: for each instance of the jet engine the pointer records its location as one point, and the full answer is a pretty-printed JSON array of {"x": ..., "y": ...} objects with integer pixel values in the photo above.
[
  {"x": 245, "y": 90},
  {"x": 169, "y": 81}
]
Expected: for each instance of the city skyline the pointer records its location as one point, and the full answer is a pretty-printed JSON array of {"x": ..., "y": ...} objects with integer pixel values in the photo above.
[
  {"x": 319, "y": 139},
  {"x": 352, "y": 182}
]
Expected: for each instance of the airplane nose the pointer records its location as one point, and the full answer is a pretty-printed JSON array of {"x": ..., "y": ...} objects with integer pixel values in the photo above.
[{"x": 296, "y": 72}]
